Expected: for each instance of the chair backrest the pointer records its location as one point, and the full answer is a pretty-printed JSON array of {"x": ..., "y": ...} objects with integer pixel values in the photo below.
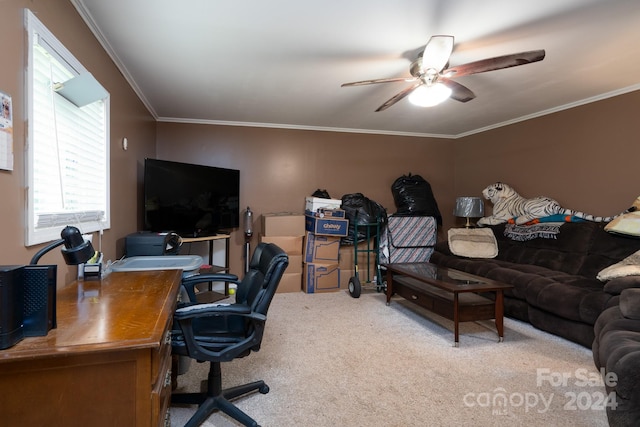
[
  {"x": 251, "y": 282},
  {"x": 273, "y": 263},
  {"x": 266, "y": 267}
]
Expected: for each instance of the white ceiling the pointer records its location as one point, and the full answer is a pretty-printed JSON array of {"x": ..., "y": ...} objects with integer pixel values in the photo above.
[{"x": 280, "y": 63}]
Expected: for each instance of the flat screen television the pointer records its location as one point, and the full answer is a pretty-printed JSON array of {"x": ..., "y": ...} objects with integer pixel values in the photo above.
[{"x": 191, "y": 200}]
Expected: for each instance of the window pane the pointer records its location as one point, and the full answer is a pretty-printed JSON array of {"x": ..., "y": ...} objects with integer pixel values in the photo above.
[{"x": 68, "y": 155}]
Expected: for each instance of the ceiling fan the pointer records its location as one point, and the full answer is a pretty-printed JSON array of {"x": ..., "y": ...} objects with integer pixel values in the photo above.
[{"x": 432, "y": 83}]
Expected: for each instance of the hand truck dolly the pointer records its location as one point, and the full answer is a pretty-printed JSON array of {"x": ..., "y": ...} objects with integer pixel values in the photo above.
[{"x": 371, "y": 233}]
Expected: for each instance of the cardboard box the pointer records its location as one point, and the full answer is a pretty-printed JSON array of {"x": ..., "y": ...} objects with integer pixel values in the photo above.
[
  {"x": 321, "y": 278},
  {"x": 345, "y": 275},
  {"x": 282, "y": 224},
  {"x": 346, "y": 255},
  {"x": 327, "y": 213},
  {"x": 315, "y": 203},
  {"x": 295, "y": 264},
  {"x": 327, "y": 226},
  {"x": 367, "y": 268},
  {"x": 292, "y": 245},
  {"x": 290, "y": 282},
  {"x": 322, "y": 249}
]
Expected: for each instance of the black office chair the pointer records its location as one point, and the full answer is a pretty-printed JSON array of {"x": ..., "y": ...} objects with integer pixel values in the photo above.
[{"x": 222, "y": 332}]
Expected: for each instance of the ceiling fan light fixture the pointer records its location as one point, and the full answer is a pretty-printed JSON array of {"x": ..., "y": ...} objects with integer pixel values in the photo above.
[{"x": 430, "y": 95}]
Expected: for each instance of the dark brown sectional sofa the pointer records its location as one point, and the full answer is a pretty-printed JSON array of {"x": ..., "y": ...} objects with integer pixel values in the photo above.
[{"x": 556, "y": 290}]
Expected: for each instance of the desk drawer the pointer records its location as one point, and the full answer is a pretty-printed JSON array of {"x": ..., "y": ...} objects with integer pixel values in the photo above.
[
  {"x": 161, "y": 392},
  {"x": 159, "y": 355}
]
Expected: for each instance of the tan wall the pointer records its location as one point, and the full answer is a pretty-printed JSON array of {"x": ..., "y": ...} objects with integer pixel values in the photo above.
[
  {"x": 128, "y": 118},
  {"x": 279, "y": 168},
  {"x": 585, "y": 157}
]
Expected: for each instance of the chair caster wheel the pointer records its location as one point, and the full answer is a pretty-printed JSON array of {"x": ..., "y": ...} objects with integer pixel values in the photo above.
[{"x": 264, "y": 389}]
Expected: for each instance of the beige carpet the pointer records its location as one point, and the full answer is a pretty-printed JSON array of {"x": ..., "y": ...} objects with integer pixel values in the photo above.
[{"x": 331, "y": 360}]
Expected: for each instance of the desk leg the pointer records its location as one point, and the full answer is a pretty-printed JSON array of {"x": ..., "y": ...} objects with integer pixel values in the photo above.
[
  {"x": 456, "y": 320},
  {"x": 500, "y": 315},
  {"x": 210, "y": 261},
  {"x": 226, "y": 263}
]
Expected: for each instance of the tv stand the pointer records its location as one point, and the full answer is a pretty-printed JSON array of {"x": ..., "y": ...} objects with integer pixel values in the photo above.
[{"x": 211, "y": 240}]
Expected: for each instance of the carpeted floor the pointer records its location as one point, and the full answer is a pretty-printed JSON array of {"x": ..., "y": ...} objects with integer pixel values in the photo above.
[{"x": 332, "y": 360}]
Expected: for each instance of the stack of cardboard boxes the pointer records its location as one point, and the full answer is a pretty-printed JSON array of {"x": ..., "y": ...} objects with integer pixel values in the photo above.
[
  {"x": 325, "y": 224},
  {"x": 287, "y": 231}
]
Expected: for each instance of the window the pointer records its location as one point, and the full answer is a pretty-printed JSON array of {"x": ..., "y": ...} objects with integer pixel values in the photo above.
[{"x": 67, "y": 155}]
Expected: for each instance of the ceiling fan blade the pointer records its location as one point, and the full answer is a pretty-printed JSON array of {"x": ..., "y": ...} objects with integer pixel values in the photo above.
[
  {"x": 458, "y": 92},
  {"x": 496, "y": 63},
  {"x": 437, "y": 52},
  {"x": 397, "y": 97},
  {"x": 370, "y": 82}
]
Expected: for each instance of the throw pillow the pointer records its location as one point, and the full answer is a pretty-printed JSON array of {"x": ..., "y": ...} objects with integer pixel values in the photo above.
[
  {"x": 627, "y": 224},
  {"x": 473, "y": 242},
  {"x": 630, "y": 266}
]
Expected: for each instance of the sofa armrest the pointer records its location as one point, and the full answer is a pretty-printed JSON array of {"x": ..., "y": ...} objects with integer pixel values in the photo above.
[
  {"x": 443, "y": 247},
  {"x": 617, "y": 285}
]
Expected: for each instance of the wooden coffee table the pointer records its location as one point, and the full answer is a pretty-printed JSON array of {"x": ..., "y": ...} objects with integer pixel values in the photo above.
[{"x": 447, "y": 292}]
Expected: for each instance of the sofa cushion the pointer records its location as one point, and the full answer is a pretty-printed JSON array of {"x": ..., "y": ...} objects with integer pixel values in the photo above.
[
  {"x": 565, "y": 253},
  {"x": 582, "y": 248},
  {"x": 630, "y": 303},
  {"x": 570, "y": 297}
]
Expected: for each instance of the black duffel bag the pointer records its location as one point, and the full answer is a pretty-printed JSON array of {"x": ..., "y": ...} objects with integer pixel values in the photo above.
[
  {"x": 413, "y": 197},
  {"x": 362, "y": 211}
]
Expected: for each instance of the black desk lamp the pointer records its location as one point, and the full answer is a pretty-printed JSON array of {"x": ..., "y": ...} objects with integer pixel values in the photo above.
[
  {"x": 76, "y": 250},
  {"x": 28, "y": 302}
]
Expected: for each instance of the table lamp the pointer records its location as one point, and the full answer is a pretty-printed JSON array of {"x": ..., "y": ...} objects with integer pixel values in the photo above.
[{"x": 469, "y": 207}]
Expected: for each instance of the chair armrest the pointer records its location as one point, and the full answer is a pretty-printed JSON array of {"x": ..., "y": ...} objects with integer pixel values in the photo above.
[
  {"x": 211, "y": 309},
  {"x": 211, "y": 277},
  {"x": 190, "y": 282},
  {"x": 227, "y": 348}
]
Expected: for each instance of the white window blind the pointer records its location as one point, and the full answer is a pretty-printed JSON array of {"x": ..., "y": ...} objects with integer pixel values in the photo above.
[{"x": 67, "y": 147}]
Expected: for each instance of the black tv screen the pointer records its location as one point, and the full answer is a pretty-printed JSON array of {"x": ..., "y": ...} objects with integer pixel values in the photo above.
[{"x": 191, "y": 200}]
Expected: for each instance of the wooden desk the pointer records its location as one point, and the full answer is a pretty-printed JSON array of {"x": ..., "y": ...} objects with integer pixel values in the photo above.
[{"x": 108, "y": 363}]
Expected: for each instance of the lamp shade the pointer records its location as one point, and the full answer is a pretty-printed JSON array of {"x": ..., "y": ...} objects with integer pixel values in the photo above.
[
  {"x": 76, "y": 250},
  {"x": 429, "y": 95},
  {"x": 469, "y": 207}
]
